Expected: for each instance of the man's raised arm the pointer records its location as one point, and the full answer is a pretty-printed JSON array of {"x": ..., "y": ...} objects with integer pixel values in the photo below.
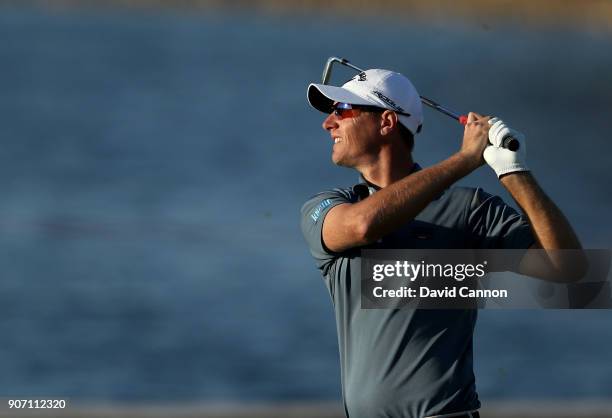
[{"x": 561, "y": 258}]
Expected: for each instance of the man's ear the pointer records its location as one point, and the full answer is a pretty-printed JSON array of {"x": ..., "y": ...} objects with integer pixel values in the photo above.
[{"x": 388, "y": 122}]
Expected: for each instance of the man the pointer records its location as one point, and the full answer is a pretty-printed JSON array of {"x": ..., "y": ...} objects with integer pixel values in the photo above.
[{"x": 407, "y": 362}]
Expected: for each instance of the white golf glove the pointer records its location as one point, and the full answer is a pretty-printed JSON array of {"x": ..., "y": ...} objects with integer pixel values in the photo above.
[{"x": 502, "y": 160}]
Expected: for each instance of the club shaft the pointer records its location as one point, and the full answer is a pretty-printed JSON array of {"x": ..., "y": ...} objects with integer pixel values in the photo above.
[{"x": 439, "y": 108}]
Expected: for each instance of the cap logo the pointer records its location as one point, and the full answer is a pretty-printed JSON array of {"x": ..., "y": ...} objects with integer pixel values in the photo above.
[
  {"x": 388, "y": 101},
  {"x": 362, "y": 76}
]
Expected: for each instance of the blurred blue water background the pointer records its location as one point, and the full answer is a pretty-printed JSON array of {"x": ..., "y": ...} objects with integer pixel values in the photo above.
[{"x": 152, "y": 169}]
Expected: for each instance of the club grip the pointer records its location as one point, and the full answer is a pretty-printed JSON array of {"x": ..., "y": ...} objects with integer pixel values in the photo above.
[{"x": 509, "y": 142}]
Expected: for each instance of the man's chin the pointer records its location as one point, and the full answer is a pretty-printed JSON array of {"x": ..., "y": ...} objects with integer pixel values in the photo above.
[{"x": 339, "y": 162}]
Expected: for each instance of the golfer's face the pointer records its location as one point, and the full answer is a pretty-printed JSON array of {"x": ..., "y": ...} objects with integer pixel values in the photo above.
[{"x": 354, "y": 134}]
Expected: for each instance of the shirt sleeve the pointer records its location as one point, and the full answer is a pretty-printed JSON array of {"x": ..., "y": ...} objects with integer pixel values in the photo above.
[
  {"x": 312, "y": 215},
  {"x": 494, "y": 224}
]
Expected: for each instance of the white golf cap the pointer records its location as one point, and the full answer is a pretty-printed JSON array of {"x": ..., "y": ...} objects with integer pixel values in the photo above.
[{"x": 380, "y": 88}]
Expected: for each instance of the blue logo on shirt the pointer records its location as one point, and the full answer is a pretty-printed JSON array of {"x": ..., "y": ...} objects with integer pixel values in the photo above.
[{"x": 317, "y": 212}]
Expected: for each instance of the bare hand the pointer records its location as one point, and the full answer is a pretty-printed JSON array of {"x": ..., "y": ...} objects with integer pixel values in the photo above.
[{"x": 475, "y": 138}]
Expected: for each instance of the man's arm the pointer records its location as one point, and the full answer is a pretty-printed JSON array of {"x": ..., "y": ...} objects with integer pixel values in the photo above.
[
  {"x": 560, "y": 257},
  {"x": 551, "y": 228},
  {"x": 352, "y": 225},
  {"x": 552, "y": 231}
]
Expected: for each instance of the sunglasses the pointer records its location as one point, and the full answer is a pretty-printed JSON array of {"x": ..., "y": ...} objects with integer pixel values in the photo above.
[{"x": 346, "y": 110}]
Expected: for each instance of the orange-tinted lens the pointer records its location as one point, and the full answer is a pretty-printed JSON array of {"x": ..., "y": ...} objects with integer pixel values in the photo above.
[{"x": 344, "y": 110}]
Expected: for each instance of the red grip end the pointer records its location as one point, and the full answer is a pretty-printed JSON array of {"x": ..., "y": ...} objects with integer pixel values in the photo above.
[{"x": 463, "y": 119}]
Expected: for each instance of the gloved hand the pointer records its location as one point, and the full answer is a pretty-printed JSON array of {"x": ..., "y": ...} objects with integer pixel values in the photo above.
[{"x": 502, "y": 160}]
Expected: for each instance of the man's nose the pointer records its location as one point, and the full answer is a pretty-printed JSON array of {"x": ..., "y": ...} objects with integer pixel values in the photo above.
[{"x": 329, "y": 122}]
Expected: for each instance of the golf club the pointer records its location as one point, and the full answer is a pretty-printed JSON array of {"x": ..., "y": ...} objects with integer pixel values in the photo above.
[{"x": 508, "y": 142}]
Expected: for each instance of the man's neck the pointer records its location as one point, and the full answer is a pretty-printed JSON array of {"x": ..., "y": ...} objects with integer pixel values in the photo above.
[{"x": 382, "y": 174}]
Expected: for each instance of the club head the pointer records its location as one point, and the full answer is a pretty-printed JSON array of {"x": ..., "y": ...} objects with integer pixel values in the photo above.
[{"x": 327, "y": 71}]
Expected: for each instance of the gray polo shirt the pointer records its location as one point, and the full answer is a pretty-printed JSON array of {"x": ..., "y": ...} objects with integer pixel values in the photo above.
[{"x": 406, "y": 362}]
